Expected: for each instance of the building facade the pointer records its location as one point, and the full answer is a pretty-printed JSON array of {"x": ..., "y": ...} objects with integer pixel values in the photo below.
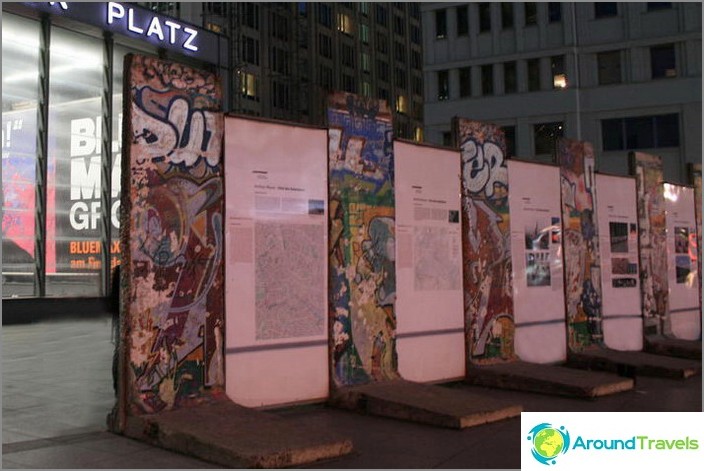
[
  {"x": 287, "y": 57},
  {"x": 623, "y": 76}
]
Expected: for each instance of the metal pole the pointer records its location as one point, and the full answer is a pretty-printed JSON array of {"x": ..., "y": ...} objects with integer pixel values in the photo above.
[{"x": 106, "y": 167}]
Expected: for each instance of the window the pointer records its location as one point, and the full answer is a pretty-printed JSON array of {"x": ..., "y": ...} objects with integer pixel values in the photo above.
[
  {"x": 325, "y": 15},
  {"x": 545, "y": 135},
  {"x": 609, "y": 67},
  {"x": 400, "y": 78},
  {"x": 279, "y": 60},
  {"x": 399, "y": 25},
  {"x": 344, "y": 23},
  {"x": 382, "y": 15},
  {"x": 382, "y": 93},
  {"x": 326, "y": 77},
  {"x": 382, "y": 70},
  {"x": 462, "y": 21},
  {"x": 656, "y": 6},
  {"x": 367, "y": 89},
  {"x": 465, "y": 82},
  {"x": 605, "y": 9},
  {"x": 640, "y": 132},
  {"x": 20, "y": 85},
  {"x": 554, "y": 12},
  {"x": 531, "y": 13},
  {"x": 487, "y": 79},
  {"x": 506, "y": 15},
  {"x": 365, "y": 62},
  {"x": 443, "y": 85},
  {"x": 414, "y": 10},
  {"x": 280, "y": 95},
  {"x": 418, "y": 134},
  {"x": 279, "y": 27},
  {"x": 325, "y": 45},
  {"x": 557, "y": 66},
  {"x": 510, "y": 77},
  {"x": 382, "y": 43},
  {"x": 250, "y": 50},
  {"x": 484, "y": 17},
  {"x": 249, "y": 86},
  {"x": 533, "y": 75},
  {"x": 364, "y": 8},
  {"x": 417, "y": 83},
  {"x": 510, "y": 135},
  {"x": 364, "y": 33},
  {"x": 401, "y": 104},
  {"x": 447, "y": 139},
  {"x": 440, "y": 24},
  {"x": 348, "y": 83},
  {"x": 399, "y": 52},
  {"x": 347, "y": 54},
  {"x": 416, "y": 60},
  {"x": 662, "y": 61},
  {"x": 250, "y": 15},
  {"x": 415, "y": 34}
]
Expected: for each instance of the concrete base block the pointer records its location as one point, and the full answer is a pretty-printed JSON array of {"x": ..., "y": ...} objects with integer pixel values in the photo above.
[
  {"x": 659, "y": 345},
  {"x": 236, "y": 437},
  {"x": 634, "y": 363},
  {"x": 424, "y": 403},
  {"x": 547, "y": 379}
]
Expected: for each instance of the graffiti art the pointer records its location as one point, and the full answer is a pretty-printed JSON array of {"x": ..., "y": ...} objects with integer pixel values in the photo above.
[
  {"x": 695, "y": 178},
  {"x": 174, "y": 301},
  {"x": 488, "y": 291},
  {"x": 362, "y": 241},
  {"x": 580, "y": 244},
  {"x": 653, "y": 241}
]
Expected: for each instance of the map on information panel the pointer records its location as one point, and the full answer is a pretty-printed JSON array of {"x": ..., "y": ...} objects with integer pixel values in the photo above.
[
  {"x": 291, "y": 249},
  {"x": 438, "y": 259}
]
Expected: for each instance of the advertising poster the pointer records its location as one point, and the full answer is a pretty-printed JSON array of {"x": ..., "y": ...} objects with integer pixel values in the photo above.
[
  {"x": 617, "y": 215},
  {"x": 488, "y": 295},
  {"x": 695, "y": 178},
  {"x": 173, "y": 287},
  {"x": 362, "y": 252},
  {"x": 19, "y": 140},
  {"x": 580, "y": 243},
  {"x": 275, "y": 270},
  {"x": 536, "y": 248},
  {"x": 430, "y": 333},
  {"x": 653, "y": 251},
  {"x": 685, "y": 303}
]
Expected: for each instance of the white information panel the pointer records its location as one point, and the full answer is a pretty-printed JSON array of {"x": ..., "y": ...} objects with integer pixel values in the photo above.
[
  {"x": 429, "y": 312},
  {"x": 536, "y": 255},
  {"x": 617, "y": 216},
  {"x": 276, "y": 263},
  {"x": 685, "y": 305}
]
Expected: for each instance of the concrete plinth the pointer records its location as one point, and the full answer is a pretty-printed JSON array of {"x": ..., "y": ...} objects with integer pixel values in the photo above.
[
  {"x": 236, "y": 437},
  {"x": 547, "y": 379},
  {"x": 635, "y": 363},
  {"x": 659, "y": 345},
  {"x": 424, "y": 403}
]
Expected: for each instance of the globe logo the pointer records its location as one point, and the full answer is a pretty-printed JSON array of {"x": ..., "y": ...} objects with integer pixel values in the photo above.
[{"x": 548, "y": 442}]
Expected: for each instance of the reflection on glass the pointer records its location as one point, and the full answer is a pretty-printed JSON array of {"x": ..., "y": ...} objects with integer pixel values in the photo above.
[
  {"x": 74, "y": 166},
  {"x": 20, "y": 59}
]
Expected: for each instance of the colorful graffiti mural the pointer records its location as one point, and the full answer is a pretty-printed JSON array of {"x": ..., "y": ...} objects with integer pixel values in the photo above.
[
  {"x": 580, "y": 244},
  {"x": 173, "y": 291},
  {"x": 648, "y": 171},
  {"x": 362, "y": 241},
  {"x": 488, "y": 292}
]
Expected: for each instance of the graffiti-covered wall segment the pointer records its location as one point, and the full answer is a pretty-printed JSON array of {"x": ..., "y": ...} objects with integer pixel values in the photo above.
[
  {"x": 174, "y": 206},
  {"x": 362, "y": 283},
  {"x": 488, "y": 302}
]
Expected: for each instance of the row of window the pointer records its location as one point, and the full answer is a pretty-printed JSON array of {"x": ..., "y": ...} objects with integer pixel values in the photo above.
[
  {"x": 663, "y": 64},
  {"x": 510, "y": 76},
  {"x": 630, "y": 133},
  {"x": 530, "y": 15}
]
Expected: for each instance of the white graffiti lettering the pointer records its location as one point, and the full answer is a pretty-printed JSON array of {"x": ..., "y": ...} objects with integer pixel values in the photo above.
[{"x": 485, "y": 167}]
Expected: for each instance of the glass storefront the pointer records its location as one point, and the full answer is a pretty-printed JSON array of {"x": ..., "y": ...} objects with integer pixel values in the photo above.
[{"x": 73, "y": 262}]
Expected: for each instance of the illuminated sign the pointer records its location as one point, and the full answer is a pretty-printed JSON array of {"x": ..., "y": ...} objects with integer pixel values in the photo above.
[{"x": 134, "y": 21}]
